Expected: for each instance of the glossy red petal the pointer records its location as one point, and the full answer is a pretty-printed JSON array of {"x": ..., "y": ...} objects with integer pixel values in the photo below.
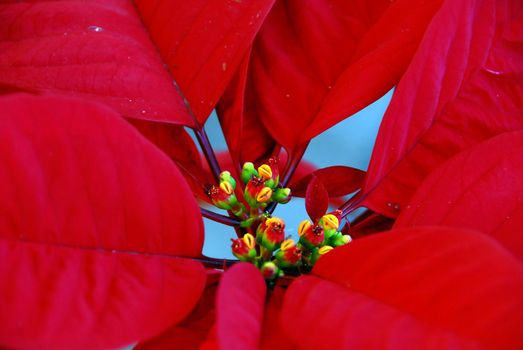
[
  {"x": 338, "y": 181},
  {"x": 239, "y": 307},
  {"x": 97, "y": 50},
  {"x": 480, "y": 189},
  {"x": 90, "y": 229},
  {"x": 316, "y": 199},
  {"x": 313, "y": 65},
  {"x": 423, "y": 288},
  {"x": 203, "y": 41},
  {"x": 465, "y": 85}
]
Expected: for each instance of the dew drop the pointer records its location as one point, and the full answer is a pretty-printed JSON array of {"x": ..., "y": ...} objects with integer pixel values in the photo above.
[
  {"x": 65, "y": 33},
  {"x": 130, "y": 100},
  {"x": 96, "y": 29},
  {"x": 394, "y": 206},
  {"x": 287, "y": 95},
  {"x": 143, "y": 111},
  {"x": 224, "y": 66},
  {"x": 492, "y": 71}
]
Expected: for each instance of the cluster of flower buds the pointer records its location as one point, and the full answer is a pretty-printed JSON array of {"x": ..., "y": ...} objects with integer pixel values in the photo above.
[
  {"x": 321, "y": 237},
  {"x": 262, "y": 240},
  {"x": 261, "y": 185}
]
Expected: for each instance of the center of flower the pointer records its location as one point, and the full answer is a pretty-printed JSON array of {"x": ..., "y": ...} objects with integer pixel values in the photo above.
[{"x": 262, "y": 239}]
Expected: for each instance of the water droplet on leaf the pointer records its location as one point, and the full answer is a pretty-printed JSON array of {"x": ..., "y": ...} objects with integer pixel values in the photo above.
[{"x": 96, "y": 29}]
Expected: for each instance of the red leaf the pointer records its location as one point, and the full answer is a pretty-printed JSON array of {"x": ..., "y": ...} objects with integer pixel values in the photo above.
[
  {"x": 247, "y": 139},
  {"x": 480, "y": 189},
  {"x": 367, "y": 224},
  {"x": 192, "y": 332},
  {"x": 203, "y": 41},
  {"x": 239, "y": 302},
  {"x": 338, "y": 181},
  {"x": 89, "y": 229},
  {"x": 97, "y": 50},
  {"x": 273, "y": 334},
  {"x": 418, "y": 288},
  {"x": 464, "y": 86},
  {"x": 176, "y": 143},
  {"x": 312, "y": 66},
  {"x": 316, "y": 199}
]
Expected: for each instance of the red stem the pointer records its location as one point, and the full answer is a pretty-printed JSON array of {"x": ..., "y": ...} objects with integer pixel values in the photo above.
[
  {"x": 222, "y": 219},
  {"x": 208, "y": 152}
]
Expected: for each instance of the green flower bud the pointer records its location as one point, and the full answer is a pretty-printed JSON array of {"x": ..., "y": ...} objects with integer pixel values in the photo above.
[
  {"x": 271, "y": 271},
  {"x": 225, "y": 176},
  {"x": 318, "y": 252},
  {"x": 338, "y": 239},
  {"x": 248, "y": 171},
  {"x": 281, "y": 195}
]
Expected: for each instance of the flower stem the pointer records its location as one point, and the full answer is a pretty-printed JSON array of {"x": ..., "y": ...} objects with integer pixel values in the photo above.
[
  {"x": 222, "y": 219},
  {"x": 347, "y": 207},
  {"x": 208, "y": 152}
]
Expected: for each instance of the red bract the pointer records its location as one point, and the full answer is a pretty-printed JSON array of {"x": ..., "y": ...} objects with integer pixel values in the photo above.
[
  {"x": 480, "y": 189},
  {"x": 91, "y": 245},
  {"x": 100, "y": 235},
  {"x": 338, "y": 181},
  {"x": 95, "y": 50},
  {"x": 463, "y": 86},
  {"x": 203, "y": 42},
  {"x": 314, "y": 64},
  {"x": 418, "y": 288}
]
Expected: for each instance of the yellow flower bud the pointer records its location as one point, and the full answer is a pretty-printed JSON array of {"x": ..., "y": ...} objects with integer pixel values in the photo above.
[
  {"x": 304, "y": 227},
  {"x": 288, "y": 243},
  {"x": 226, "y": 187},
  {"x": 264, "y": 195},
  {"x": 265, "y": 172},
  {"x": 325, "y": 249},
  {"x": 249, "y": 240},
  {"x": 330, "y": 222}
]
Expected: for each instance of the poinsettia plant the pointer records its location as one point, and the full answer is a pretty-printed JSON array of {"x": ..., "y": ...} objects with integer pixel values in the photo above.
[{"x": 103, "y": 190}]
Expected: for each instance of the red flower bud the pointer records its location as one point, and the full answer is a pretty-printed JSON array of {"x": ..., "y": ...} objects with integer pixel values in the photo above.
[
  {"x": 270, "y": 234},
  {"x": 289, "y": 254},
  {"x": 223, "y": 196},
  {"x": 244, "y": 248},
  {"x": 270, "y": 271},
  {"x": 310, "y": 236}
]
